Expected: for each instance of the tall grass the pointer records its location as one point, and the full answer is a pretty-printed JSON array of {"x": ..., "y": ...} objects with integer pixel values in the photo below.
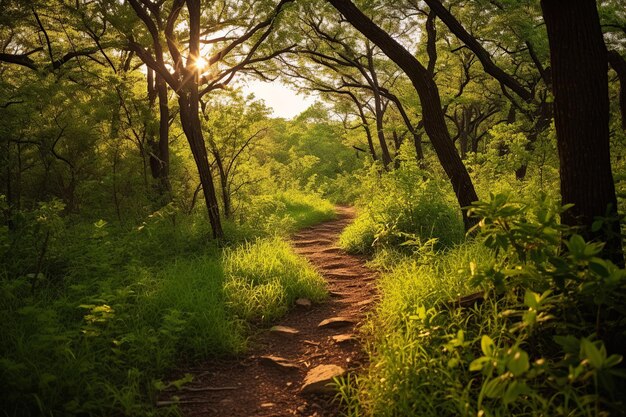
[
  {"x": 409, "y": 373},
  {"x": 266, "y": 277},
  {"x": 284, "y": 212}
]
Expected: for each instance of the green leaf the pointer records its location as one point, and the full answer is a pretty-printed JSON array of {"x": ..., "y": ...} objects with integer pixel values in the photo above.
[
  {"x": 531, "y": 299},
  {"x": 597, "y": 225},
  {"x": 478, "y": 364},
  {"x": 518, "y": 363},
  {"x": 514, "y": 390},
  {"x": 453, "y": 363},
  {"x": 599, "y": 267},
  {"x": 576, "y": 245},
  {"x": 590, "y": 352},
  {"x": 495, "y": 388},
  {"x": 182, "y": 381},
  {"x": 569, "y": 343},
  {"x": 487, "y": 345},
  {"x": 612, "y": 361}
]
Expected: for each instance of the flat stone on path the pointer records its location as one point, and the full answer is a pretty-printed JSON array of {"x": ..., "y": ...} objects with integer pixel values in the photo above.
[
  {"x": 284, "y": 330},
  {"x": 318, "y": 379},
  {"x": 335, "y": 322},
  {"x": 303, "y": 302},
  {"x": 278, "y": 361},
  {"x": 343, "y": 338}
]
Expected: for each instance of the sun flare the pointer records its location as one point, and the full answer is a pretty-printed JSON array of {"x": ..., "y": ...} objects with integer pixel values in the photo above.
[{"x": 201, "y": 63}]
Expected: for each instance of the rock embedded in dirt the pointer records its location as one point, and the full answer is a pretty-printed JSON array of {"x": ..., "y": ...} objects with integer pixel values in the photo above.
[
  {"x": 284, "y": 330},
  {"x": 279, "y": 362},
  {"x": 336, "y": 322},
  {"x": 319, "y": 379},
  {"x": 303, "y": 302},
  {"x": 343, "y": 338}
]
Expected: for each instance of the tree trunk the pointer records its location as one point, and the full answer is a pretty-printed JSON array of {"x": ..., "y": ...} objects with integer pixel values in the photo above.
[
  {"x": 370, "y": 141},
  {"x": 419, "y": 151},
  {"x": 190, "y": 121},
  {"x": 164, "y": 128},
  {"x": 223, "y": 184},
  {"x": 581, "y": 113},
  {"x": 159, "y": 149},
  {"x": 619, "y": 66},
  {"x": 433, "y": 116},
  {"x": 378, "y": 110}
]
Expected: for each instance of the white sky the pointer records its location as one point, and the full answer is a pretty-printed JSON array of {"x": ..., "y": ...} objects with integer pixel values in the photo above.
[{"x": 285, "y": 101}]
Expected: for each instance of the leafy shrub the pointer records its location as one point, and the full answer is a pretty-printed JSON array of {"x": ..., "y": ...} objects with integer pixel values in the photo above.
[{"x": 401, "y": 206}]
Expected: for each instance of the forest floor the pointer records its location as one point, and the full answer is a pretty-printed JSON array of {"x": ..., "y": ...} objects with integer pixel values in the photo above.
[{"x": 268, "y": 380}]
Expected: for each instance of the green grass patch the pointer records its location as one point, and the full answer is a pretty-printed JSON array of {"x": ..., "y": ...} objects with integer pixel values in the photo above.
[
  {"x": 266, "y": 277},
  {"x": 286, "y": 211}
]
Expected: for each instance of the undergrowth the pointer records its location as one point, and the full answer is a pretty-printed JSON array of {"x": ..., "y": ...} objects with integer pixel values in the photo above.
[
  {"x": 94, "y": 328},
  {"x": 541, "y": 335},
  {"x": 403, "y": 205}
]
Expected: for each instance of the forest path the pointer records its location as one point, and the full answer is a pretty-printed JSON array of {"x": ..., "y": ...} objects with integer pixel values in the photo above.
[{"x": 256, "y": 385}]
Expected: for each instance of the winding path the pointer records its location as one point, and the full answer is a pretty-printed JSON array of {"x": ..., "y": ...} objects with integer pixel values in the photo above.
[{"x": 268, "y": 381}]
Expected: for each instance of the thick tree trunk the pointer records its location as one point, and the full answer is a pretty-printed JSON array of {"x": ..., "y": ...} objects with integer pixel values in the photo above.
[
  {"x": 433, "y": 116},
  {"x": 619, "y": 66},
  {"x": 581, "y": 113}
]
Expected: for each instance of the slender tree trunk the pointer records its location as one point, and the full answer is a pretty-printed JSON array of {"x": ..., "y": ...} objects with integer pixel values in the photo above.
[
  {"x": 370, "y": 141},
  {"x": 190, "y": 121},
  {"x": 9, "y": 188},
  {"x": 164, "y": 130},
  {"x": 581, "y": 113},
  {"x": 386, "y": 156},
  {"x": 223, "y": 184},
  {"x": 159, "y": 149},
  {"x": 417, "y": 142},
  {"x": 366, "y": 126},
  {"x": 432, "y": 112},
  {"x": 380, "y": 133},
  {"x": 397, "y": 143}
]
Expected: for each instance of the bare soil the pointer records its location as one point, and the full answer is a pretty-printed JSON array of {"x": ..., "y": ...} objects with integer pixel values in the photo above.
[{"x": 253, "y": 386}]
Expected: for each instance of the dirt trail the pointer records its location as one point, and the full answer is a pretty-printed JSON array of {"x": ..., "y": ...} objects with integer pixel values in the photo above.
[{"x": 254, "y": 386}]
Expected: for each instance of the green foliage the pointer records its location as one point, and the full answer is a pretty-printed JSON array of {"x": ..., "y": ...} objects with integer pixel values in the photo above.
[
  {"x": 264, "y": 278},
  {"x": 284, "y": 212},
  {"x": 404, "y": 206},
  {"x": 115, "y": 309},
  {"x": 544, "y": 341}
]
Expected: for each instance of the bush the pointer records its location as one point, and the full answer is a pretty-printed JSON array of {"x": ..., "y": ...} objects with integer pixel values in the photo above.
[{"x": 403, "y": 206}]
